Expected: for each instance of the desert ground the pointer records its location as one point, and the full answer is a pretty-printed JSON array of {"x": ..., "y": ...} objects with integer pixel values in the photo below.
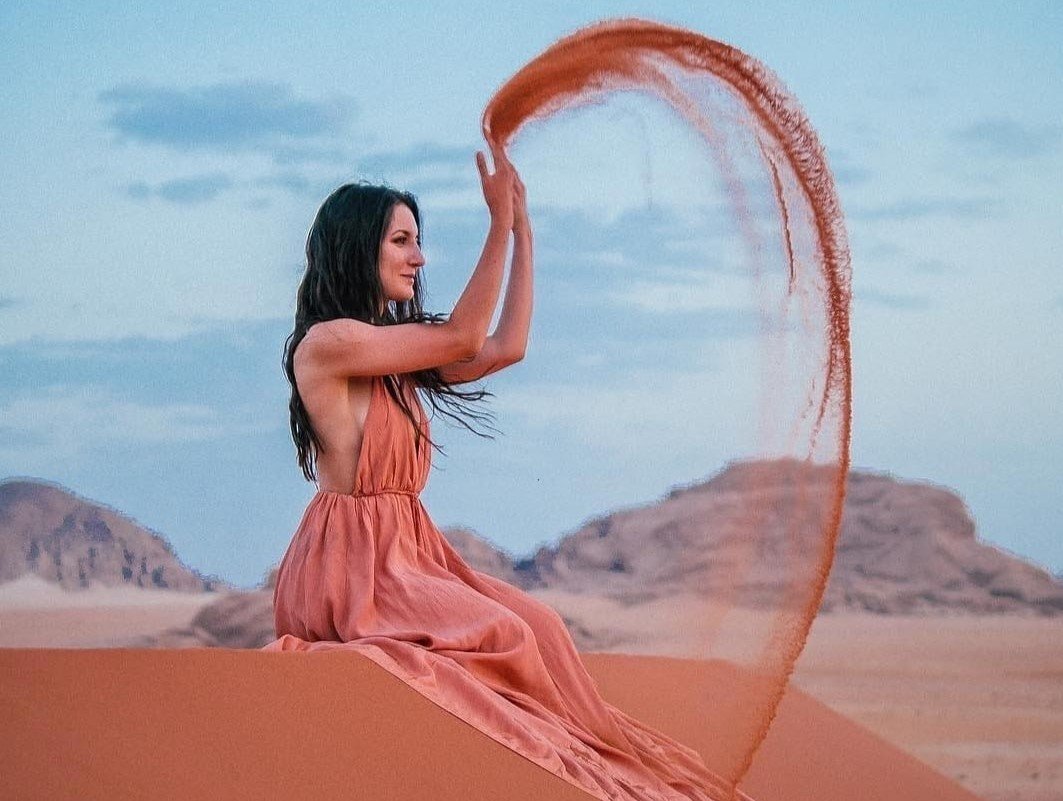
[{"x": 979, "y": 698}]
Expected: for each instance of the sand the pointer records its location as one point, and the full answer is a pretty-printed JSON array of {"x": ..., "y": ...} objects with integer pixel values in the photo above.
[
  {"x": 978, "y": 698},
  {"x": 39, "y": 614},
  {"x": 212, "y": 723}
]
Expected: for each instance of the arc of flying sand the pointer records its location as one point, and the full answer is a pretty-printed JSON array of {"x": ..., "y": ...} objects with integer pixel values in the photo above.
[{"x": 636, "y": 54}]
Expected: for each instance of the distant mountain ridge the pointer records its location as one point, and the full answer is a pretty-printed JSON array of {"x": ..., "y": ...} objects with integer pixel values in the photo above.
[
  {"x": 905, "y": 547},
  {"x": 49, "y": 531}
]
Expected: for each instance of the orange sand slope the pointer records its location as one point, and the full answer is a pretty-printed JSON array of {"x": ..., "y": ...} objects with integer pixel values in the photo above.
[{"x": 127, "y": 723}]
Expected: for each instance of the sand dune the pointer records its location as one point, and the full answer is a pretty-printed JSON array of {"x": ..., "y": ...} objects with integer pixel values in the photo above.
[
  {"x": 980, "y": 698},
  {"x": 196, "y": 723}
]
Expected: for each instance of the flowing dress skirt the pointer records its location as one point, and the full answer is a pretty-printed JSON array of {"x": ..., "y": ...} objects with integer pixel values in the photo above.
[{"x": 370, "y": 572}]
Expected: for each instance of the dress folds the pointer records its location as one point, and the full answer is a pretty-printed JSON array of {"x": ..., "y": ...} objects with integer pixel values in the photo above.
[{"x": 370, "y": 572}]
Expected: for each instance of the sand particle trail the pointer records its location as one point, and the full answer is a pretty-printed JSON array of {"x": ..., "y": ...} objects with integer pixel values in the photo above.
[{"x": 805, "y": 370}]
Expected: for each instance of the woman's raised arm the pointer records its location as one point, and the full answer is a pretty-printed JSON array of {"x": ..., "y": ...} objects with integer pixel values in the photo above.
[
  {"x": 347, "y": 347},
  {"x": 509, "y": 341}
]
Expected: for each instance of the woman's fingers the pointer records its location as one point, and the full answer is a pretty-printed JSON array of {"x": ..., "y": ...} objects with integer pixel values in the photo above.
[
  {"x": 497, "y": 154},
  {"x": 502, "y": 162},
  {"x": 500, "y": 159}
]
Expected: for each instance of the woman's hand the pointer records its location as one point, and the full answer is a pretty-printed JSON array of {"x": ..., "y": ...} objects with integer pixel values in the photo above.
[
  {"x": 521, "y": 223},
  {"x": 498, "y": 189}
]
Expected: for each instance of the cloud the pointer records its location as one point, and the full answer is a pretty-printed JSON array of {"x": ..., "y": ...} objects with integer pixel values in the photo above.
[
  {"x": 689, "y": 415},
  {"x": 224, "y": 117},
  {"x": 289, "y": 155},
  {"x": 933, "y": 266},
  {"x": 642, "y": 240},
  {"x": 845, "y": 171},
  {"x": 892, "y": 300},
  {"x": 848, "y": 175},
  {"x": 68, "y": 421},
  {"x": 647, "y": 282},
  {"x": 183, "y": 191},
  {"x": 291, "y": 181},
  {"x": 922, "y": 208},
  {"x": 303, "y": 185},
  {"x": 422, "y": 156},
  {"x": 1005, "y": 138},
  {"x": 423, "y": 168},
  {"x": 687, "y": 291},
  {"x": 7, "y": 302}
]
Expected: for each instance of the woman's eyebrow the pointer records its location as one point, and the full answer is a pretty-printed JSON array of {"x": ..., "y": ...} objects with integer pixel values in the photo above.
[{"x": 400, "y": 231}]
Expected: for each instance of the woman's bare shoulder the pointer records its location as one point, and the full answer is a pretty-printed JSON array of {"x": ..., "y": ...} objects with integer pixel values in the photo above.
[{"x": 341, "y": 331}]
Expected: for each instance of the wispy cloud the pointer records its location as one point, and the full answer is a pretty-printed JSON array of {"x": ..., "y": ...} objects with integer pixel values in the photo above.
[
  {"x": 679, "y": 411},
  {"x": 643, "y": 240},
  {"x": 67, "y": 421},
  {"x": 184, "y": 191},
  {"x": 691, "y": 291},
  {"x": 1004, "y": 137},
  {"x": 293, "y": 182},
  {"x": 921, "y": 208},
  {"x": 425, "y": 155},
  {"x": 892, "y": 300},
  {"x": 224, "y": 117},
  {"x": 849, "y": 175},
  {"x": 290, "y": 155},
  {"x": 933, "y": 266},
  {"x": 845, "y": 171},
  {"x": 422, "y": 168}
]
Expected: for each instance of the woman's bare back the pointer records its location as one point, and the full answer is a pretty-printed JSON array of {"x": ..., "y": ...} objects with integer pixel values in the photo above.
[{"x": 338, "y": 408}]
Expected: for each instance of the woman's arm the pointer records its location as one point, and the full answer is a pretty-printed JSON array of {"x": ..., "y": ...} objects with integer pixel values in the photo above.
[
  {"x": 474, "y": 309},
  {"x": 508, "y": 343},
  {"x": 515, "y": 320},
  {"x": 347, "y": 347}
]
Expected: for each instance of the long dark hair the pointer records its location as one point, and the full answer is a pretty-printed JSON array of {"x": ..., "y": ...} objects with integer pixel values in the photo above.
[{"x": 342, "y": 281}]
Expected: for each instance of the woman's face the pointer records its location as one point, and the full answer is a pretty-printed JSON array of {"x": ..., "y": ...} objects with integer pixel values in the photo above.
[{"x": 400, "y": 254}]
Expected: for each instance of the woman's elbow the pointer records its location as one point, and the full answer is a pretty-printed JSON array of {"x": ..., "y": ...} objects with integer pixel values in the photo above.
[
  {"x": 472, "y": 345},
  {"x": 465, "y": 342}
]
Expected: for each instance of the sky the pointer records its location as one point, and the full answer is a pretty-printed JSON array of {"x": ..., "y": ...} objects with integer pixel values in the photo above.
[{"x": 162, "y": 168}]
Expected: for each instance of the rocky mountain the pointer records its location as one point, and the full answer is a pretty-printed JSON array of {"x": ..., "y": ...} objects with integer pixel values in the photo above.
[
  {"x": 905, "y": 547},
  {"x": 239, "y": 619},
  {"x": 49, "y": 531}
]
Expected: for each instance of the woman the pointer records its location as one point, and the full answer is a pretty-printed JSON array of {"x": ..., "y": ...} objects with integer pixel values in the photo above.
[{"x": 367, "y": 570}]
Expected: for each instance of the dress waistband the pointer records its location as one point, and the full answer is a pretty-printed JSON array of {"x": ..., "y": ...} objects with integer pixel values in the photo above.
[{"x": 413, "y": 493}]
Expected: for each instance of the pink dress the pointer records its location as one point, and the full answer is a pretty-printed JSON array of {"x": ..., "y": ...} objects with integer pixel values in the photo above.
[{"x": 369, "y": 572}]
